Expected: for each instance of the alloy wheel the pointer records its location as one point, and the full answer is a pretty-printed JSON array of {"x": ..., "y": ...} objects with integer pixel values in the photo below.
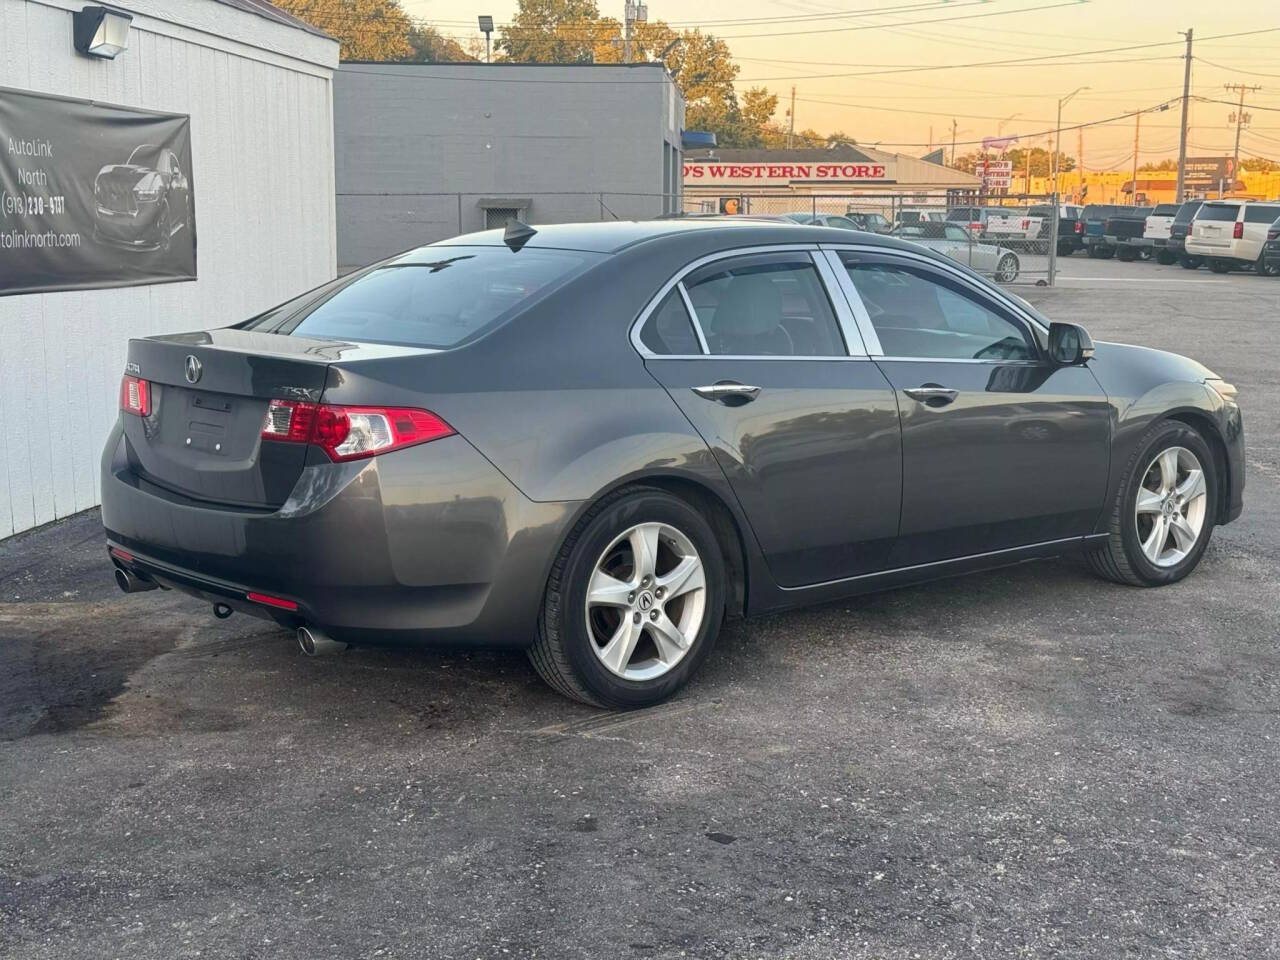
[
  {"x": 1170, "y": 508},
  {"x": 646, "y": 601}
]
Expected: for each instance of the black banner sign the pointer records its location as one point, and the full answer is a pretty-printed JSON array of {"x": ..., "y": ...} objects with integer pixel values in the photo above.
[{"x": 92, "y": 195}]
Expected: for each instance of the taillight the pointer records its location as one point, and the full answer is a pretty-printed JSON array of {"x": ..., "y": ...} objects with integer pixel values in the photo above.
[
  {"x": 1273, "y": 234},
  {"x": 1026, "y": 224},
  {"x": 351, "y": 433},
  {"x": 135, "y": 396},
  {"x": 268, "y": 600},
  {"x": 1079, "y": 227},
  {"x": 1238, "y": 232}
]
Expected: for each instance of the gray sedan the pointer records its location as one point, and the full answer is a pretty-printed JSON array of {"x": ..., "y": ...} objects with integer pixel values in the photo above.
[
  {"x": 595, "y": 442},
  {"x": 959, "y": 244}
]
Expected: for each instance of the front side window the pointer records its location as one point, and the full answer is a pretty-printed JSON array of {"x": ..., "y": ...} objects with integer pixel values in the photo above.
[
  {"x": 436, "y": 297},
  {"x": 771, "y": 305},
  {"x": 918, "y": 315}
]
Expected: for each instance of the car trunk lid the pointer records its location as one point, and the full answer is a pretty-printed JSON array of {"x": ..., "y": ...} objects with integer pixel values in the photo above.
[{"x": 208, "y": 399}]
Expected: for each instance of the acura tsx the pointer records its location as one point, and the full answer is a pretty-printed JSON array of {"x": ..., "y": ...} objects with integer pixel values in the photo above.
[{"x": 595, "y": 442}]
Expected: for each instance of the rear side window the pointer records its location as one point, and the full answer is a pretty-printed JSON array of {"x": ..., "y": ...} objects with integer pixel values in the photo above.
[
  {"x": 1219, "y": 212},
  {"x": 1260, "y": 214},
  {"x": 669, "y": 331},
  {"x": 771, "y": 305},
  {"x": 1187, "y": 211},
  {"x": 437, "y": 297}
]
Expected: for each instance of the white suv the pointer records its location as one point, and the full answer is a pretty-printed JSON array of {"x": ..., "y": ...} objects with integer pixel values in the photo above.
[{"x": 1231, "y": 233}]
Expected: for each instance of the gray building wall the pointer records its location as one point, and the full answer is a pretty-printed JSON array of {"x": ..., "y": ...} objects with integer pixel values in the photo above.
[{"x": 423, "y": 150}]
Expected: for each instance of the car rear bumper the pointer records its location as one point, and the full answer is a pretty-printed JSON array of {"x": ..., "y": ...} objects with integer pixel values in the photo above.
[
  {"x": 1128, "y": 241},
  {"x": 431, "y": 544}
]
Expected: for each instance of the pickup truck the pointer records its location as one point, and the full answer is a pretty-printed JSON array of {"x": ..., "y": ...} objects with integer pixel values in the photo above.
[
  {"x": 1070, "y": 226},
  {"x": 1094, "y": 216},
  {"x": 1178, "y": 231},
  {"x": 1020, "y": 229},
  {"x": 1158, "y": 228},
  {"x": 1124, "y": 233}
]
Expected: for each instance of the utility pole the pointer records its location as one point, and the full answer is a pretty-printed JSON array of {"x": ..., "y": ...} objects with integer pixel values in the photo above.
[
  {"x": 1080, "y": 156},
  {"x": 1241, "y": 119},
  {"x": 953, "y": 142},
  {"x": 1182, "y": 137},
  {"x": 791, "y": 124},
  {"x": 633, "y": 12},
  {"x": 1137, "y": 123}
]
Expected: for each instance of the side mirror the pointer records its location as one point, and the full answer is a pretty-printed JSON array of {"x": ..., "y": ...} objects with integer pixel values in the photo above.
[{"x": 1069, "y": 344}]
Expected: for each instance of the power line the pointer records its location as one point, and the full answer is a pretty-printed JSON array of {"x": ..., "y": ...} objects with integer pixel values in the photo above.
[{"x": 1252, "y": 73}]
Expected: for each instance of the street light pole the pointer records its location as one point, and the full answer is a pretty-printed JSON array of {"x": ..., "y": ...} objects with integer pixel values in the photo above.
[{"x": 1057, "y": 140}]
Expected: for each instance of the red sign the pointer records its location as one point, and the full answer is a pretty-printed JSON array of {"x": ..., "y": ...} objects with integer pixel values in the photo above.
[{"x": 739, "y": 173}]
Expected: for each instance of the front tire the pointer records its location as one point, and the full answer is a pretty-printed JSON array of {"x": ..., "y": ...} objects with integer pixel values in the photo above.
[
  {"x": 634, "y": 602},
  {"x": 1165, "y": 511},
  {"x": 1007, "y": 268},
  {"x": 1265, "y": 269}
]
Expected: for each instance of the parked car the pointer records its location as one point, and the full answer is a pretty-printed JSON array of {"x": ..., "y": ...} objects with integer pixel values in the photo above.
[
  {"x": 1070, "y": 226},
  {"x": 1095, "y": 216},
  {"x": 826, "y": 220},
  {"x": 959, "y": 244},
  {"x": 1178, "y": 234},
  {"x": 870, "y": 222},
  {"x": 1158, "y": 231},
  {"x": 1271, "y": 251},
  {"x": 918, "y": 215},
  {"x": 596, "y": 441},
  {"x": 142, "y": 202},
  {"x": 1125, "y": 232},
  {"x": 973, "y": 219},
  {"x": 1231, "y": 233}
]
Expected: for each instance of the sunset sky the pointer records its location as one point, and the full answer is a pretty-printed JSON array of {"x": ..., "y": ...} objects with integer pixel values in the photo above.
[{"x": 898, "y": 109}]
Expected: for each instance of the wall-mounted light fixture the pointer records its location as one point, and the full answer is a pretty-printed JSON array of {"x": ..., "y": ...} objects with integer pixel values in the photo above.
[{"x": 101, "y": 32}]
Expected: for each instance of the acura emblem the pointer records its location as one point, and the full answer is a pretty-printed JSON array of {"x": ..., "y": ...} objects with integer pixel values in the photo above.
[{"x": 194, "y": 369}]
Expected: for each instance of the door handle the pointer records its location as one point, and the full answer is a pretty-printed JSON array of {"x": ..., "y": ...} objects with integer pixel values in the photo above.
[
  {"x": 726, "y": 391},
  {"x": 932, "y": 396}
]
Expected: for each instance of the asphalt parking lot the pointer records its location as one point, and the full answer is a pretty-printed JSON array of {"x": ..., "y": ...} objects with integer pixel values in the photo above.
[{"x": 1025, "y": 763}]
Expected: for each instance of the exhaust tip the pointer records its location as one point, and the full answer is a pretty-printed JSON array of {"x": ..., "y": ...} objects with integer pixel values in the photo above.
[
  {"x": 316, "y": 643},
  {"x": 131, "y": 583}
]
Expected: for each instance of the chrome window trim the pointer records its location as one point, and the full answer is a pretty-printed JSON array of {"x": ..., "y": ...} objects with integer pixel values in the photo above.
[
  {"x": 980, "y": 287},
  {"x": 812, "y": 250}
]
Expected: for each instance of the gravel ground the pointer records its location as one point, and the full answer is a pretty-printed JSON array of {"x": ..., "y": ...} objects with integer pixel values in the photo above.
[{"x": 1026, "y": 763}]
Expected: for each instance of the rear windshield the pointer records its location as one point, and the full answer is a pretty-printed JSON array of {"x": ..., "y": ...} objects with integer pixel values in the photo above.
[
  {"x": 1101, "y": 211},
  {"x": 1260, "y": 214},
  {"x": 1187, "y": 211},
  {"x": 1166, "y": 210},
  {"x": 964, "y": 213},
  {"x": 1225, "y": 212},
  {"x": 435, "y": 297}
]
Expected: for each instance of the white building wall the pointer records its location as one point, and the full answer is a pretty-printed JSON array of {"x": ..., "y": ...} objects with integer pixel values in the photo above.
[{"x": 260, "y": 98}]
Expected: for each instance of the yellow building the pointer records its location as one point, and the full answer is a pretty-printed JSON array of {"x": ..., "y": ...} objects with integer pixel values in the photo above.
[{"x": 1158, "y": 186}]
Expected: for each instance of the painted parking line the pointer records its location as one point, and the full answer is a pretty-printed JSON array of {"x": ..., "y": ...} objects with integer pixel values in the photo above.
[{"x": 1135, "y": 280}]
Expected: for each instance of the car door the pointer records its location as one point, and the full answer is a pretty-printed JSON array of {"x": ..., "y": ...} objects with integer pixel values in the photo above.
[
  {"x": 1000, "y": 447},
  {"x": 960, "y": 248},
  {"x": 757, "y": 355}
]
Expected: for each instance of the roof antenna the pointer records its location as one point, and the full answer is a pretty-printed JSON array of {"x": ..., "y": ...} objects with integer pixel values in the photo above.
[{"x": 517, "y": 234}]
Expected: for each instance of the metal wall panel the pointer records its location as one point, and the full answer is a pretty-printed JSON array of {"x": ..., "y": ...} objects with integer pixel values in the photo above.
[{"x": 260, "y": 99}]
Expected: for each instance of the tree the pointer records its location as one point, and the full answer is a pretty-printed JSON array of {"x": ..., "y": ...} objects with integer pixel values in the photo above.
[
  {"x": 1041, "y": 162},
  {"x": 1259, "y": 165},
  {"x": 552, "y": 31},
  {"x": 367, "y": 29},
  {"x": 429, "y": 45},
  {"x": 1164, "y": 165}
]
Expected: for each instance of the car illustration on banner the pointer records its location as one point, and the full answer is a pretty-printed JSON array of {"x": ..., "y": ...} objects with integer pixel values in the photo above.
[{"x": 142, "y": 202}]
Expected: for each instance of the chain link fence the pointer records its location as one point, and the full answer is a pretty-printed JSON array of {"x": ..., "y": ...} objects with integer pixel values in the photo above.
[{"x": 1012, "y": 239}]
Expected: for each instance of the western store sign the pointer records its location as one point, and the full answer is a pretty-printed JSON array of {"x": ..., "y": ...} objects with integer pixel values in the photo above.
[{"x": 745, "y": 174}]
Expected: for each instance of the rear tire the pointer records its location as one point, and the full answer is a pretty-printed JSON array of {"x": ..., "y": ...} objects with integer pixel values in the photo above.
[
  {"x": 1219, "y": 266},
  {"x": 1123, "y": 558},
  {"x": 1125, "y": 255},
  {"x": 1165, "y": 258},
  {"x": 1007, "y": 268},
  {"x": 1106, "y": 253},
  {"x": 1190, "y": 263},
  {"x": 1065, "y": 249},
  {"x": 1266, "y": 270},
  {"x": 575, "y": 651}
]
